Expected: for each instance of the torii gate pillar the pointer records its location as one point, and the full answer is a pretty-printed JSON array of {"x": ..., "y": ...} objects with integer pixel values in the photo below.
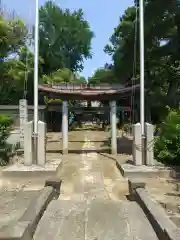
[
  {"x": 113, "y": 127},
  {"x": 65, "y": 127}
]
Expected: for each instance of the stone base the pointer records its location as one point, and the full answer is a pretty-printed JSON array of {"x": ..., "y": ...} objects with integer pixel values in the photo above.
[
  {"x": 133, "y": 171},
  {"x": 20, "y": 170},
  {"x": 65, "y": 151},
  {"x": 55, "y": 183}
]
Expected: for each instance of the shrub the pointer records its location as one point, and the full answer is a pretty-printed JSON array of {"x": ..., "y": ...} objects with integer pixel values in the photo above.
[
  {"x": 167, "y": 144},
  {"x": 127, "y": 128},
  {"x": 5, "y": 128}
]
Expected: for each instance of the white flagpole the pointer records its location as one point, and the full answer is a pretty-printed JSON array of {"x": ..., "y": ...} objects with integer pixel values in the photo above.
[
  {"x": 36, "y": 58},
  {"x": 142, "y": 105}
]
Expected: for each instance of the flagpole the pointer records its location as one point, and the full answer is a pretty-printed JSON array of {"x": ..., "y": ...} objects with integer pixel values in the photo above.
[
  {"x": 36, "y": 53},
  {"x": 142, "y": 100},
  {"x": 36, "y": 57}
]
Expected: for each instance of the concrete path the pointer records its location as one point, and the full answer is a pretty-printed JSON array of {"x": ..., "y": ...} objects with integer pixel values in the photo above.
[
  {"x": 90, "y": 175},
  {"x": 92, "y": 204},
  {"x": 96, "y": 220}
]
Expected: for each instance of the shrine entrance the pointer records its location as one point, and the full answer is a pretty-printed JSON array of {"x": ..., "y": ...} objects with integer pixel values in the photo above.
[{"x": 106, "y": 113}]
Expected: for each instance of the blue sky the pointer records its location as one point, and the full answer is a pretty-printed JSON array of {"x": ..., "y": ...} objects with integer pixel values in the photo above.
[{"x": 103, "y": 16}]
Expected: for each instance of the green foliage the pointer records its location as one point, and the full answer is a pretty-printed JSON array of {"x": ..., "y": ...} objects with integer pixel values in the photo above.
[
  {"x": 102, "y": 75},
  {"x": 121, "y": 46},
  {"x": 12, "y": 36},
  {"x": 63, "y": 75},
  {"x": 127, "y": 128},
  {"x": 60, "y": 76},
  {"x": 80, "y": 79},
  {"x": 167, "y": 144},
  {"x": 5, "y": 127},
  {"x": 64, "y": 42},
  {"x": 162, "y": 59},
  {"x": 64, "y": 38}
]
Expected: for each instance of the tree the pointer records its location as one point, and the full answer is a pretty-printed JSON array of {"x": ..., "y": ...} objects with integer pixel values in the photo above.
[
  {"x": 64, "y": 43},
  {"x": 21, "y": 73},
  {"x": 80, "y": 79},
  {"x": 162, "y": 44},
  {"x": 167, "y": 144},
  {"x": 64, "y": 38},
  {"x": 60, "y": 76},
  {"x": 121, "y": 46},
  {"x": 12, "y": 37},
  {"x": 102, "y": 75},
  {"x": 63, "y": 75}
]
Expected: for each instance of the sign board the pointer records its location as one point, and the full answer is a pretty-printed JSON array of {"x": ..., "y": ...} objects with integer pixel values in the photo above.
[{"x": 23, "y": 116}]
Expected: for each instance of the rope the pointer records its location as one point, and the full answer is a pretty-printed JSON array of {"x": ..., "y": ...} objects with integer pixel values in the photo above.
[
  {"x": 149, "y": 146},
  {"x": 132, "y": 117}
]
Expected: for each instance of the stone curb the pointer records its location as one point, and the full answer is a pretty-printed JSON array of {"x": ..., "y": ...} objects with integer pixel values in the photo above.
[
  {"x": 163, "y": 226},
  {"x": 54, "y": 182},
  {"x": 25, "y": 175},
  {"x": 15, "y": 170},
  {"x": 25, "y": 227},
  {"x": 133, "y": 185},
  {"x": 133, "y": 171}
]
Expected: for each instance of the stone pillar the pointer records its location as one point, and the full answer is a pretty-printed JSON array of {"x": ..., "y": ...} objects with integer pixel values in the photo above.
[
  {"x": 110, "y": 121},
  {"x": 113, "y": 127},
  {"x": 149, "y": 130},
  {"x": 137, "y": 151},
  {"x": 28, "y": 145},
  {"x": 41, "y": 155},
  {"x": 65, "y": 127},
  {"x": 23, "y": 118},
  {"x": 43, "y": 115}
]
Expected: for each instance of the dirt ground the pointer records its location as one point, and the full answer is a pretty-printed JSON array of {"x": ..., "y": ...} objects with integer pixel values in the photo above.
[{"x": 167, "y": 193}]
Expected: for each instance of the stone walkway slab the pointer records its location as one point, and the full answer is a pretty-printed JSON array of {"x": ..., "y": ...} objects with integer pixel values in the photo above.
[
  {"x": 62, "y": 220},
  {"x": 94, "y": 220}
]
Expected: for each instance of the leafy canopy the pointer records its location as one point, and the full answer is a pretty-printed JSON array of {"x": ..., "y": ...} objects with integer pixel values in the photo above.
[{"x": 64, "y": 38}]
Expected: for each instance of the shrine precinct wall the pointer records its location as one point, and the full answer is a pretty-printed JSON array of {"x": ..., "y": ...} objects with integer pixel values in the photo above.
[{"x": 13, "y": 111}]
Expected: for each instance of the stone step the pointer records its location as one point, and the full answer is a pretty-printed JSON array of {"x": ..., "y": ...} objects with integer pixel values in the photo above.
[{"x": 96, "y": 220}]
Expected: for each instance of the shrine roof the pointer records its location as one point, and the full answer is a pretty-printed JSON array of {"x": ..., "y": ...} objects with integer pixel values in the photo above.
[{"x": 70, "y": 91}]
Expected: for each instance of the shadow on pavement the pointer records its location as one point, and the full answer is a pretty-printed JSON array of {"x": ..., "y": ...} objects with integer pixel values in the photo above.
[
  {"x": 89, "y": 129},
  {"x": 124, "y": 145},
  {"x": 80, "y": 151},
  {"x": 86, "y": 141}
]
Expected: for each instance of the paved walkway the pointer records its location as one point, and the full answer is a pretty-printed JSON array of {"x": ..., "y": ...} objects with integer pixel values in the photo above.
[
  {"x": 92, "y": 203},
  {"x": 91, "y": 175}
]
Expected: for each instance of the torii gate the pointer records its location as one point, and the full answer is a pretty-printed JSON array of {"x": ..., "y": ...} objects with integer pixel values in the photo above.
[{"x": 67, "y": 92}]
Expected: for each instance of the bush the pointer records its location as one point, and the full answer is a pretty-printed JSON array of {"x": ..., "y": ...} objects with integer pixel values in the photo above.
[
  {"x": 5, "y": 128},
  {"x": 127, "y": 128},
  {"x": 167, "y": 144}
]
